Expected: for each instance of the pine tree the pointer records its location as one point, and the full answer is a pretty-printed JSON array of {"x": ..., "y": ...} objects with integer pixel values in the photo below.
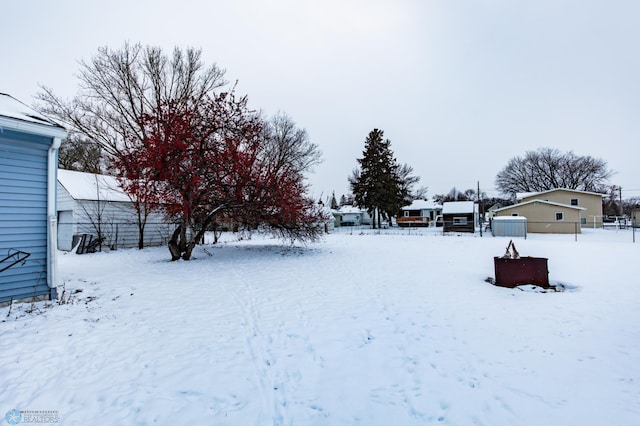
[
  {"x": 375, "y": 184},
  {"x": 333, "y": 204}
]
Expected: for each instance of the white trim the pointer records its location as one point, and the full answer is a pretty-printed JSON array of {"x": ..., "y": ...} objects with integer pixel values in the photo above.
[
  {"x": 523, "y": 195},
  {"x": 52, "y": 218},
  {"x": 34, "y": 128},
  {"x": 550, "y": 203}
]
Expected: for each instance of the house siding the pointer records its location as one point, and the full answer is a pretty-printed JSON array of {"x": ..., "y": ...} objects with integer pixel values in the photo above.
[
  {"x": 23, "y": 213},
  {"x": 541, "y": 218},
  {"x": 591, "y": 202},
  {"x": 117, "y": 222},
  {"x": 451, "y": 226}
]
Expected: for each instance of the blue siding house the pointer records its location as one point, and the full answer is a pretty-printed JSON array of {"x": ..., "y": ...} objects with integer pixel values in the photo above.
[{"x": 29, "y": 146}]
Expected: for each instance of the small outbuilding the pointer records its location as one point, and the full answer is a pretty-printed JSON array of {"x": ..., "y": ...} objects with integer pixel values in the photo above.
[
  {"x": 459, "y": 216},
  {"x": 95, "y": 205},
  {"x": 29, "y": 145},
  {"x": 635, "y": 218},
  {"x": 509, "y": 226}
]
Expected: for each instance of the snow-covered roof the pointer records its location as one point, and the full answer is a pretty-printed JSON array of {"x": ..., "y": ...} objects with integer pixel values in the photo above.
[
  {"x": 508, "y": 218},
  {"x": 423, "y": 205},
  {"x": 93, "y": 187},
  {"x": 453, "y": 207},
  {"x": 522, "y": 195},
  {"x": 13, "y": 109},
  {"x": 535, "y": 200},
  {"x": 349, "y": 209}
]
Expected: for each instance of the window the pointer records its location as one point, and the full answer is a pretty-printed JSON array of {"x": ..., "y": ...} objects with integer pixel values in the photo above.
[
  {"x": 559, "y": 216},
  {"x": 583, "y": 220},
  {"x": 459, "y": 221},
  {"x": 406, "y": 213},
  {"x": 515, "y": 214},
  {"x": 574, "y": 201}
]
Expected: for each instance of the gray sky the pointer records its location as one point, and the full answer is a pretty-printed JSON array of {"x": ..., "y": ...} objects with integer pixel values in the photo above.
[{"x": 458, "y": 86}]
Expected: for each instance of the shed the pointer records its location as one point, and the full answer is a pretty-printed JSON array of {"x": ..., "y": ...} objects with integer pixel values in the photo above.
[
  {"x": 635, "y": 218},
  {"x": 459, "y": 216},
  {"x": 96, "y": 205},
  {"x": 509, "y": 226},
  {"x": 29, "y": 145}
]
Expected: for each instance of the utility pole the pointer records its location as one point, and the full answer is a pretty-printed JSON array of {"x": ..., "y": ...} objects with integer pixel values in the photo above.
[
  {"x": 480, "y": 217},
  {"x": 621, "y": 205}
]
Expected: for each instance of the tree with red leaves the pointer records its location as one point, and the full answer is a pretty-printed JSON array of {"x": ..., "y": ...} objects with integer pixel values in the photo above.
[{"x": 215, "y": 157}]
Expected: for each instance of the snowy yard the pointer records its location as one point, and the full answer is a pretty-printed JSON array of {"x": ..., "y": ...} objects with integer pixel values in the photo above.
[{"x": 373, "y": 329}]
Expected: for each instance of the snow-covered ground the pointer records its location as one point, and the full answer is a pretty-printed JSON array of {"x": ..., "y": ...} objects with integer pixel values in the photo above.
[{"x": 361, "y": 328}]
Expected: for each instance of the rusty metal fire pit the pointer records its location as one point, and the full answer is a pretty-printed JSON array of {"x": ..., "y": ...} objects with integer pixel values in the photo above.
[{"x": 512, "y": 270}]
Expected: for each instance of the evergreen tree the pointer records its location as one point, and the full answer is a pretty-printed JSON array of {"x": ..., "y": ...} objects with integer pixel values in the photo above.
[
  {"x": 375, "y": 184},
  {"x": 333, "y": 204}
]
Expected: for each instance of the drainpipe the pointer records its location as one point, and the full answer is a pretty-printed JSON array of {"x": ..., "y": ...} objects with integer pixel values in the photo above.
[{"x": 52, "y": 228}]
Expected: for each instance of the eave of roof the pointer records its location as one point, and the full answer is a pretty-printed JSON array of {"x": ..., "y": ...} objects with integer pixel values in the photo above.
[{"x": 550, "y": 203}]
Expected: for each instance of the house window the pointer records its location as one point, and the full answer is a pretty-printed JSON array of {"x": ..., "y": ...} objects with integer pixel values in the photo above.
[
  {"x": 459, "y": 221},
  {"x": 574, "y": 201},
  {"x": 515, "y": 214},
  {"x": 583, "y": 220},
  {"x": 406, "y": 213},
  {"x": 559, "y": 216}
]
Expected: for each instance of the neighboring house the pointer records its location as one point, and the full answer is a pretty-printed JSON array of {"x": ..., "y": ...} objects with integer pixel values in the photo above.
[
  {"x": 351, "y": 216},
  {"x": 459, "y": 216},
  {"x": 546, "y": 216},
  {"x": 491, "y": 211},
  {"x": 96, "y": 205},
  {"x": 419, "y": 213},
  {"x": 29, "y": 146},
  {"x": 347, "y": 216},
  {"x": 590, "y": 201}
]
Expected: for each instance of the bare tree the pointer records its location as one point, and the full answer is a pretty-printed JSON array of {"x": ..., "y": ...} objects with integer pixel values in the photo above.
[
  {"x": 548, "y": 168},
  {"x": 407, "y": 189},
  {"x": 119, "y": 88},
  {"x": 289, "y": 146},
  {"x": 80, "y": 154}
]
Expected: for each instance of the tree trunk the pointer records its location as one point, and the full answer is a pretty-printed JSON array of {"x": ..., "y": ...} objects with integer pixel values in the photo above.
[
  {"x": 140, "y": 238},
  {"x": 174, "y": 245},
  {"x": 183, "y": 248}
]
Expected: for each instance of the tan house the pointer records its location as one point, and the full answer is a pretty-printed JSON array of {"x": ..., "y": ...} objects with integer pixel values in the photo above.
[
  {"x": 546, "y": 216},
  {"x": 590, "y": 201}
]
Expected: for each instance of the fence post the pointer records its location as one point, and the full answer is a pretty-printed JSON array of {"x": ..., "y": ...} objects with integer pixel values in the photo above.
[{"x": 575, "y": 227}]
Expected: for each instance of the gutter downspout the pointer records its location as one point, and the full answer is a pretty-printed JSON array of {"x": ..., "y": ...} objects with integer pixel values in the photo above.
[{"x": 52, "y": 228}]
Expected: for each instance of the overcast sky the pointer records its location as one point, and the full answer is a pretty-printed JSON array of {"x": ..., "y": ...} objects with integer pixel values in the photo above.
[{"x": 458, "y": 86}]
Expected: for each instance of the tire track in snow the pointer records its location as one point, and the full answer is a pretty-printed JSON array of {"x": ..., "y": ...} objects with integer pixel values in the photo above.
[
  {"x": 245, "y": 299},
  {"x": 274, "y": 343}
]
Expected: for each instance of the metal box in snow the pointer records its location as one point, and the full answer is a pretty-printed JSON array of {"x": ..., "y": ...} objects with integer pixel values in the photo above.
[
  {"x": 509, "y": 226},
  {"x": 524, "y": 270}
]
